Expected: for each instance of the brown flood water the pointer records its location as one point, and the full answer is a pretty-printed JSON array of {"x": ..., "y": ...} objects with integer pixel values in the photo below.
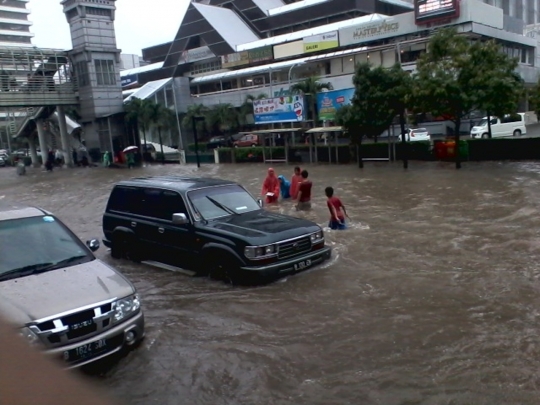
[{"x": 432, "y": 295}]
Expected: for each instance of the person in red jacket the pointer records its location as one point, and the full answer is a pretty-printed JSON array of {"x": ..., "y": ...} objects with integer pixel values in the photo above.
[
  {"x": 295, "y": 182},
  {"x": 337, "y": 210},
  {"x": 270, "y": 188}
]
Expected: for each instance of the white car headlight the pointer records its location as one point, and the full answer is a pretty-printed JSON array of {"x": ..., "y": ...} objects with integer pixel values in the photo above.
[
  {"x": 29, "y": 335},
  {"x": 125, "y": 307},
  {"x": 259, "y": 252},
  {"x": 317, "y": 237}
]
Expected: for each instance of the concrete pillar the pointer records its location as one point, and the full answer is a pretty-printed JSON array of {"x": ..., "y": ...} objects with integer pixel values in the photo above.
[
  {"x": 42, "y": 143},
  {"x": 33, "y": 151},
  {"x": 66, "y": 145}
]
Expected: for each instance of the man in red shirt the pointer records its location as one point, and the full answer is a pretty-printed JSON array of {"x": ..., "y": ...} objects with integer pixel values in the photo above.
[
  {"x": 304, "y": 192},
  {"x": 337, "y": 210},
  {"x": 295, "y": 182}
]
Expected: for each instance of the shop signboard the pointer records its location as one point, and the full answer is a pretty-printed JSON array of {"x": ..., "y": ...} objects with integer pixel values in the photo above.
[
  {"x": 428, "y": 11},
  {"x": 279, "y": 109},
  {"x": 330, "y": 101},
  {"x": 261, "y": 54},
  {"x": 235, "y": 59},
  {"x": 376, "y": 30},
  {"x": 197, "y": 54},
  {"x": 321, "y": 42}
]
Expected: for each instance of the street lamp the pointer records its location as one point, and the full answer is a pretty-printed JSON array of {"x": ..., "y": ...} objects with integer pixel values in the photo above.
[
  {"x": 290, "y": 71},
  {"x": 194, "y": 121}
]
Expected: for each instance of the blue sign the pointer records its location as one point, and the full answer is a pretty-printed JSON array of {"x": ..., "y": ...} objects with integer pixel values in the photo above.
[
  {"x": 279, "y": 109},
  {"x": 128, "y": 80},
  {"x": 329, "y": 102}
]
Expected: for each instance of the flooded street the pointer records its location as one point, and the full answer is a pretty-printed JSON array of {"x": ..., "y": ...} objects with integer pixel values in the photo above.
[{"x": 431, "y": 297}]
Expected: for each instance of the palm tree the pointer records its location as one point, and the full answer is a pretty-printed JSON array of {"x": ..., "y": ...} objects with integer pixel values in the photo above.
[
  {"x": 223, "y": 117},
  {"x": 247, "y": 107},
  {"x": 163, "y": 118},
  {"x": 139, "y": 111},
  {"x": 310, "y": 87},
  {"x": 195, "y": 110}
]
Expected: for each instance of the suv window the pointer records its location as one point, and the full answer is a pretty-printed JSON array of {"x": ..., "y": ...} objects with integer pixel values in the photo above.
[
  {"x": 162, "y": 204},
  {"x": 512, "y": 118},
  {"x": 51, "y": 244},
  {"x": 125, "y": 199}
]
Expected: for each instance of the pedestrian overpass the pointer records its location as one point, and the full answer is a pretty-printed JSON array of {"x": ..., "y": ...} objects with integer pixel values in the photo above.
[{"x": 36, "y": 84}]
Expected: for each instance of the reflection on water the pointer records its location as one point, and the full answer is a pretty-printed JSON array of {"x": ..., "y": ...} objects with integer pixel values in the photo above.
[{"x": 431, "y": 296}]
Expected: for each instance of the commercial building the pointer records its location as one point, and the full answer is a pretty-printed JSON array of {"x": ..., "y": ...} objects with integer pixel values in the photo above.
[
  {"x": 223, "y": 52},
  {"x": 14, "y": 24}
]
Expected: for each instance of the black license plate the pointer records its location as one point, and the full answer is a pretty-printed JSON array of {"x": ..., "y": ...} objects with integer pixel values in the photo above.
[
  {"x": 302, "y": 265},
  {"x": 86, "y": 351}
]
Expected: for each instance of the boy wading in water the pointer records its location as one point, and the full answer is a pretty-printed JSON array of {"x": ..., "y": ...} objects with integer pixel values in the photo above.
[
  {"x": 337, "y": 210},
  {"x": 304, "y": 193}
]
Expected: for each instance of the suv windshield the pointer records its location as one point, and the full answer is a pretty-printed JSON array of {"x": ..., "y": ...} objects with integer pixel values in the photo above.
[
  {"x": 217, "y": 202},
  {"x": 37, "y": 244}
]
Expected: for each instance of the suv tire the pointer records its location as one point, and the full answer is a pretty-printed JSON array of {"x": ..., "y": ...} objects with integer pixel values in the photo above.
[
  {"x": 222, "y": 266},
  {"x": 125, "y": 246}
]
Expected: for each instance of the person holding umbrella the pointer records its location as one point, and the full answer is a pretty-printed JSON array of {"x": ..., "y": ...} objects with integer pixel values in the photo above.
[{"x": 129, "y": 151}]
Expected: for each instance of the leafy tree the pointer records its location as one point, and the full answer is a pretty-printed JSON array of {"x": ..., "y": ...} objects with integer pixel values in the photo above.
[
  {"x": 195, "y": 110},
  {"x": 310, "y": 87},
  {"x": 247, "y": 107},
  {"x": 140, "y": 111},
  {"x": 163, "y": 119},
  {"x": 223, "y": 117},
  {"x": 453, "y": 78},
  {"x": 350, "y": 118}
]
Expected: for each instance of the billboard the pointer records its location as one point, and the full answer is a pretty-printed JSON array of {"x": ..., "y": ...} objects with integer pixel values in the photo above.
[
  {"x": 331, "y": 101},
  {"x": 279, "y": 109},
  {"x": 235, "y": 59},
  {"x": 195, "y": 55},
  {"x": 261, "y": 54},
  {"x": 376, "y": 30},
  {"x": 321, "y": 42},
  {"x": 427, "y": 11}
]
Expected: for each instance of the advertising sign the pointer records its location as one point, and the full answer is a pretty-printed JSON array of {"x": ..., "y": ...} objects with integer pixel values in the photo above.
[
  {"x": 128, "y": 80},
  {"x": 331, "y": 101},
  {"x": 370, "y": 31},
  {"x": 427, "y": 11},
  {"x": 279, "y": 109},
  {"x": 235, "y": 59},
  {"x": 261, "y": 54},
  {"x": 322, "y": 42},
  {"x": 197, "y": 54}
]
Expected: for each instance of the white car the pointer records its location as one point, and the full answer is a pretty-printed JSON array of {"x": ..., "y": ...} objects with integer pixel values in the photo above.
[
  {"x": 3, "y": 161},
  {"x": 416, "y": 134}
]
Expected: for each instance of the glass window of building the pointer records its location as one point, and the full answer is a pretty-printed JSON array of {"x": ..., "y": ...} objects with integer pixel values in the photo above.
[
  {"x": 105, "y": 72},
  {"x": 81, "y": 71}
]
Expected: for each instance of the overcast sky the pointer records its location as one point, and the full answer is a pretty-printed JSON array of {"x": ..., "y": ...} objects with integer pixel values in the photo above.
[{"x": 139, "y": 23}]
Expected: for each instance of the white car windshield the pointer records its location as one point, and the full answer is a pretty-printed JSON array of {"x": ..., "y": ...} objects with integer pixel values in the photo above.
[
  {"x": 483, "y": 123},
  {"x": 214, "y": 202},
  {"x": 37, "y": 244}
]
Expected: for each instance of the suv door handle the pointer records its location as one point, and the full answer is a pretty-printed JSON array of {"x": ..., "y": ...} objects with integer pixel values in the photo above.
[
  {"x": 133, "y": 224},
  {"x": 161, "y": 230}
]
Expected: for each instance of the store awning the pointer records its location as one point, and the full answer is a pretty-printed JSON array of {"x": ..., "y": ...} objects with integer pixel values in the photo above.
[{"x": 325, "y": 129}]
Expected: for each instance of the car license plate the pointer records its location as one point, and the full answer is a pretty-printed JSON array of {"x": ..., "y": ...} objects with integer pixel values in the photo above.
[
  {"x": 302, "y": 265},
  {"x": 86, "y": 351}
]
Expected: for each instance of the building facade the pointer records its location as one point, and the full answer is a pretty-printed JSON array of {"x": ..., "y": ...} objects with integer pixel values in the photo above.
[{"x": 14, "y": 24}]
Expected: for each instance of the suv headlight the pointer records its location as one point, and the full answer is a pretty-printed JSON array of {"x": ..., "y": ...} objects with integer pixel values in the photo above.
[
  {"x": 29, "y": 335},
  {"x": 125, "y": 307},
  {"x": 317, "y": 237},
  {"x": 260, "y": 252}
]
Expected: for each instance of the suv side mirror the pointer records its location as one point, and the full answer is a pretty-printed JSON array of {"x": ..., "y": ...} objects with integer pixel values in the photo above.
[
  {"x": 179, "y": 219},
  {"x": 93, "y": 244},
  {"x": 260, "y": 202}
]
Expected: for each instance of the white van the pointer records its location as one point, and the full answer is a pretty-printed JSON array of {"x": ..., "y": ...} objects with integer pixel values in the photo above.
[{"x": 510, "y": 125}]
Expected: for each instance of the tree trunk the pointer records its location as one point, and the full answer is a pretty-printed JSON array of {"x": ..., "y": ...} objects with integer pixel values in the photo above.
[
  {"x": 359, "y": 153},
  {"x": 144, "y": 146},
  {"x": 457, "y": 129},
  {"x": 404, "y": 143},
  {"x": 489, "y": 124},
  {"x": 161, "y": 146}
]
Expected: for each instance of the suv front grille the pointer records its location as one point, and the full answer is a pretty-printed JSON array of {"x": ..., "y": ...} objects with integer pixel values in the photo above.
[
  {"x": 294, "y": 247},
  {"x": 76, "y": 325}
]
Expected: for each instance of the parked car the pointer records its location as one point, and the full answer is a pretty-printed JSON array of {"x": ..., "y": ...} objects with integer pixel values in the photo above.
[
  {"x": 3, "y": 160},
  {"x": 62, "y": 298},
  {"x": 209, "y": 227},
  {"x": 416, "y": 134},
  {"x": 218, "y": 142},
  {"x": 247, "y": 140},
  {"x": 509, "y": 125}
]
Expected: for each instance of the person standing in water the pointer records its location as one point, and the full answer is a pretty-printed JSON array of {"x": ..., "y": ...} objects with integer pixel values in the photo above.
[
  {"x": 284, "y": 186},
  {"x": 295, "y": 182},
  {"x": 337, "y": 210},
  {"x": 270, "y": 188},
  {"x": 304, "y": 193}
]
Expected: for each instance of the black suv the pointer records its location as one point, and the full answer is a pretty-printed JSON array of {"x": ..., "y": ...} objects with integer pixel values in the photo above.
[{"x": 210, "y": 226}]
